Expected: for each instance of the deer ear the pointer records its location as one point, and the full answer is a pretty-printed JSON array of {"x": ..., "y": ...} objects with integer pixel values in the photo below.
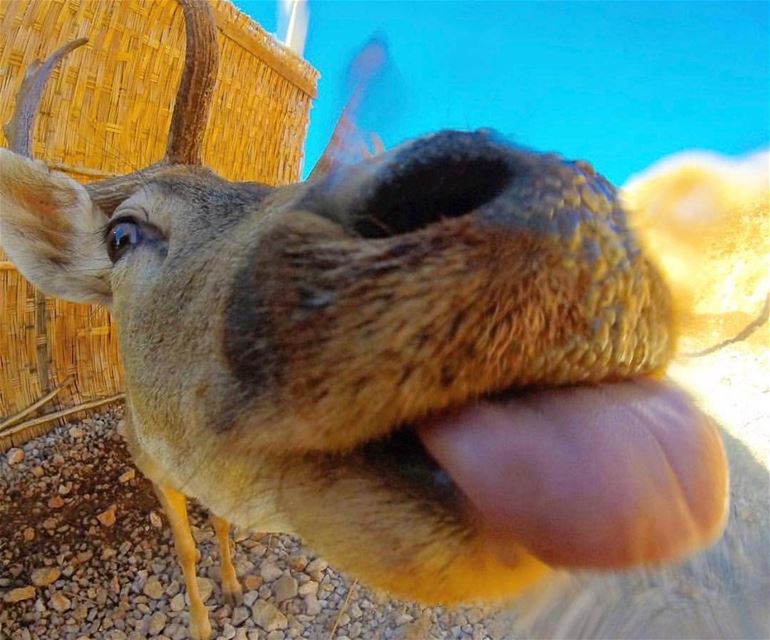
[{"x": 52, "y": 231}]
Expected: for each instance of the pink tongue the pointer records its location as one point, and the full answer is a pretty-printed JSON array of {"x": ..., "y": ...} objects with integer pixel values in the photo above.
[{"x": 606, "y": 476}]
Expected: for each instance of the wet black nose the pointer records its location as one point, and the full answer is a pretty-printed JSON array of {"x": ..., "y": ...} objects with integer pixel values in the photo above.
[{"x": 445, "y": 175}]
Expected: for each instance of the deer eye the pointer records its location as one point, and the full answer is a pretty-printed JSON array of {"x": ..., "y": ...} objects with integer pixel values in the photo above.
[{"x": 121, "y": 236}]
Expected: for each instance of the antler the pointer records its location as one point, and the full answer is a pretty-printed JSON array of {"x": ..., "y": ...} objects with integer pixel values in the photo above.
[
  {"x": 188, "y": 122},
  {"x": 196, "y": 88},
  {"x": 191, "y": 108},
  {"x": 18, "y": 130}
]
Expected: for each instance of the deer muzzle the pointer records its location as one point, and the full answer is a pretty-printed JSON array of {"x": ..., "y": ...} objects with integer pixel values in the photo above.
[
  {"x": 453, "y": 267},
  {"x": 481, "y": 321}
]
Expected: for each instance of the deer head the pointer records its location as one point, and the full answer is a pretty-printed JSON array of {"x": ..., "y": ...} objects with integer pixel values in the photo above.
[{"x": 328, "y": 358}]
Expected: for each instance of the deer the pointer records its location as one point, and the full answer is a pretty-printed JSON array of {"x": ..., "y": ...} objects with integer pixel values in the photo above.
[{"x": 443, "y": 367}]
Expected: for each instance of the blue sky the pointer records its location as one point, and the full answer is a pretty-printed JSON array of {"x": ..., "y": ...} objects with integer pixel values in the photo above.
[{"x": 620, "y": 84}]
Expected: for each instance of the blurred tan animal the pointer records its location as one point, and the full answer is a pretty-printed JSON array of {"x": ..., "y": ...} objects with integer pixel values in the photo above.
[
  {"x": 442, "y": 367},
  {"x": 706, "y": 218}
]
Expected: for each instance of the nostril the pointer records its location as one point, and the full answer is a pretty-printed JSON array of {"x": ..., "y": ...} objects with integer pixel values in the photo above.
[{"x": 445, "y": 176}]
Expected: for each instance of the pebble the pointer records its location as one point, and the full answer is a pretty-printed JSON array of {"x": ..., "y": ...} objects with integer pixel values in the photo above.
[
  {"x": 298, "y": 563},
  {"x": 177, "y": 603},
  {"x": 45, "y": 576},
  {"x": 128, "y": 474},
  {"x": 19, "y": 594},
  {"x": 155, "y": 520},
  {"x": 157, "y": 623},
  {"x": 206, "y": 588},
  {"x": 107, "y": 517},
  {"x": 267, "y": 616},
  {"x": 270, "y": 572},
  {"x": 15, "y": 456},
  {"x": 153, "y": 589},
  {"x": 316, "y": 566},
  {"x": 84, "y": 556},
  {"x": 240, "y": 614},
  {"x": 285, "y": 588},
  {"x": 252, "y": 582},
  {"x": 60, "y": 602},
  {"x": 474, "y": 615},
  {"x": 312, "y": 606}
]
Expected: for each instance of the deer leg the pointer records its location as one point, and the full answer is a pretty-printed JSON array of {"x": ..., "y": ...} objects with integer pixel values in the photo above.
[
  {"x": 231, "y": 588},
  {"x": 175, "y": 506}
]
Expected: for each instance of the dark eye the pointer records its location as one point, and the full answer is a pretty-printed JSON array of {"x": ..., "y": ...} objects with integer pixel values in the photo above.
[{"x": 121, "y": 237}]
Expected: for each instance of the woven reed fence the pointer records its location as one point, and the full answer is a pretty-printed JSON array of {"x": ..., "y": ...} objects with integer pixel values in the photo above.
[{"x": 106, "y": 111}]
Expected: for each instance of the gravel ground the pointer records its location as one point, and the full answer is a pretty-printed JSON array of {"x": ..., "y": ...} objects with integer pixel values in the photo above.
[{"x": 86, "y": 553}]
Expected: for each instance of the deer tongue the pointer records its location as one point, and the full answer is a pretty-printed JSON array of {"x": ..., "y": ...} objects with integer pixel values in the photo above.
[{"x": 607, "y": 476}]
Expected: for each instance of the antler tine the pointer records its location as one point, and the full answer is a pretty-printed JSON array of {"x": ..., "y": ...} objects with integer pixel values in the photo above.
[
  {"x": 196, "y": 88},
  {"x": 191, "y": 108},
  {"x": 18, "y": 130}
]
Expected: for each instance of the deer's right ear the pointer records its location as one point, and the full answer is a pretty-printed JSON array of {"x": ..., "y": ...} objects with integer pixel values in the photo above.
[{"x": 52, "y": 231}]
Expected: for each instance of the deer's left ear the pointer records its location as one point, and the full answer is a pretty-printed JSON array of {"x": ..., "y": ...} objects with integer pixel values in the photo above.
[{"x": 52, "y": 231}]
